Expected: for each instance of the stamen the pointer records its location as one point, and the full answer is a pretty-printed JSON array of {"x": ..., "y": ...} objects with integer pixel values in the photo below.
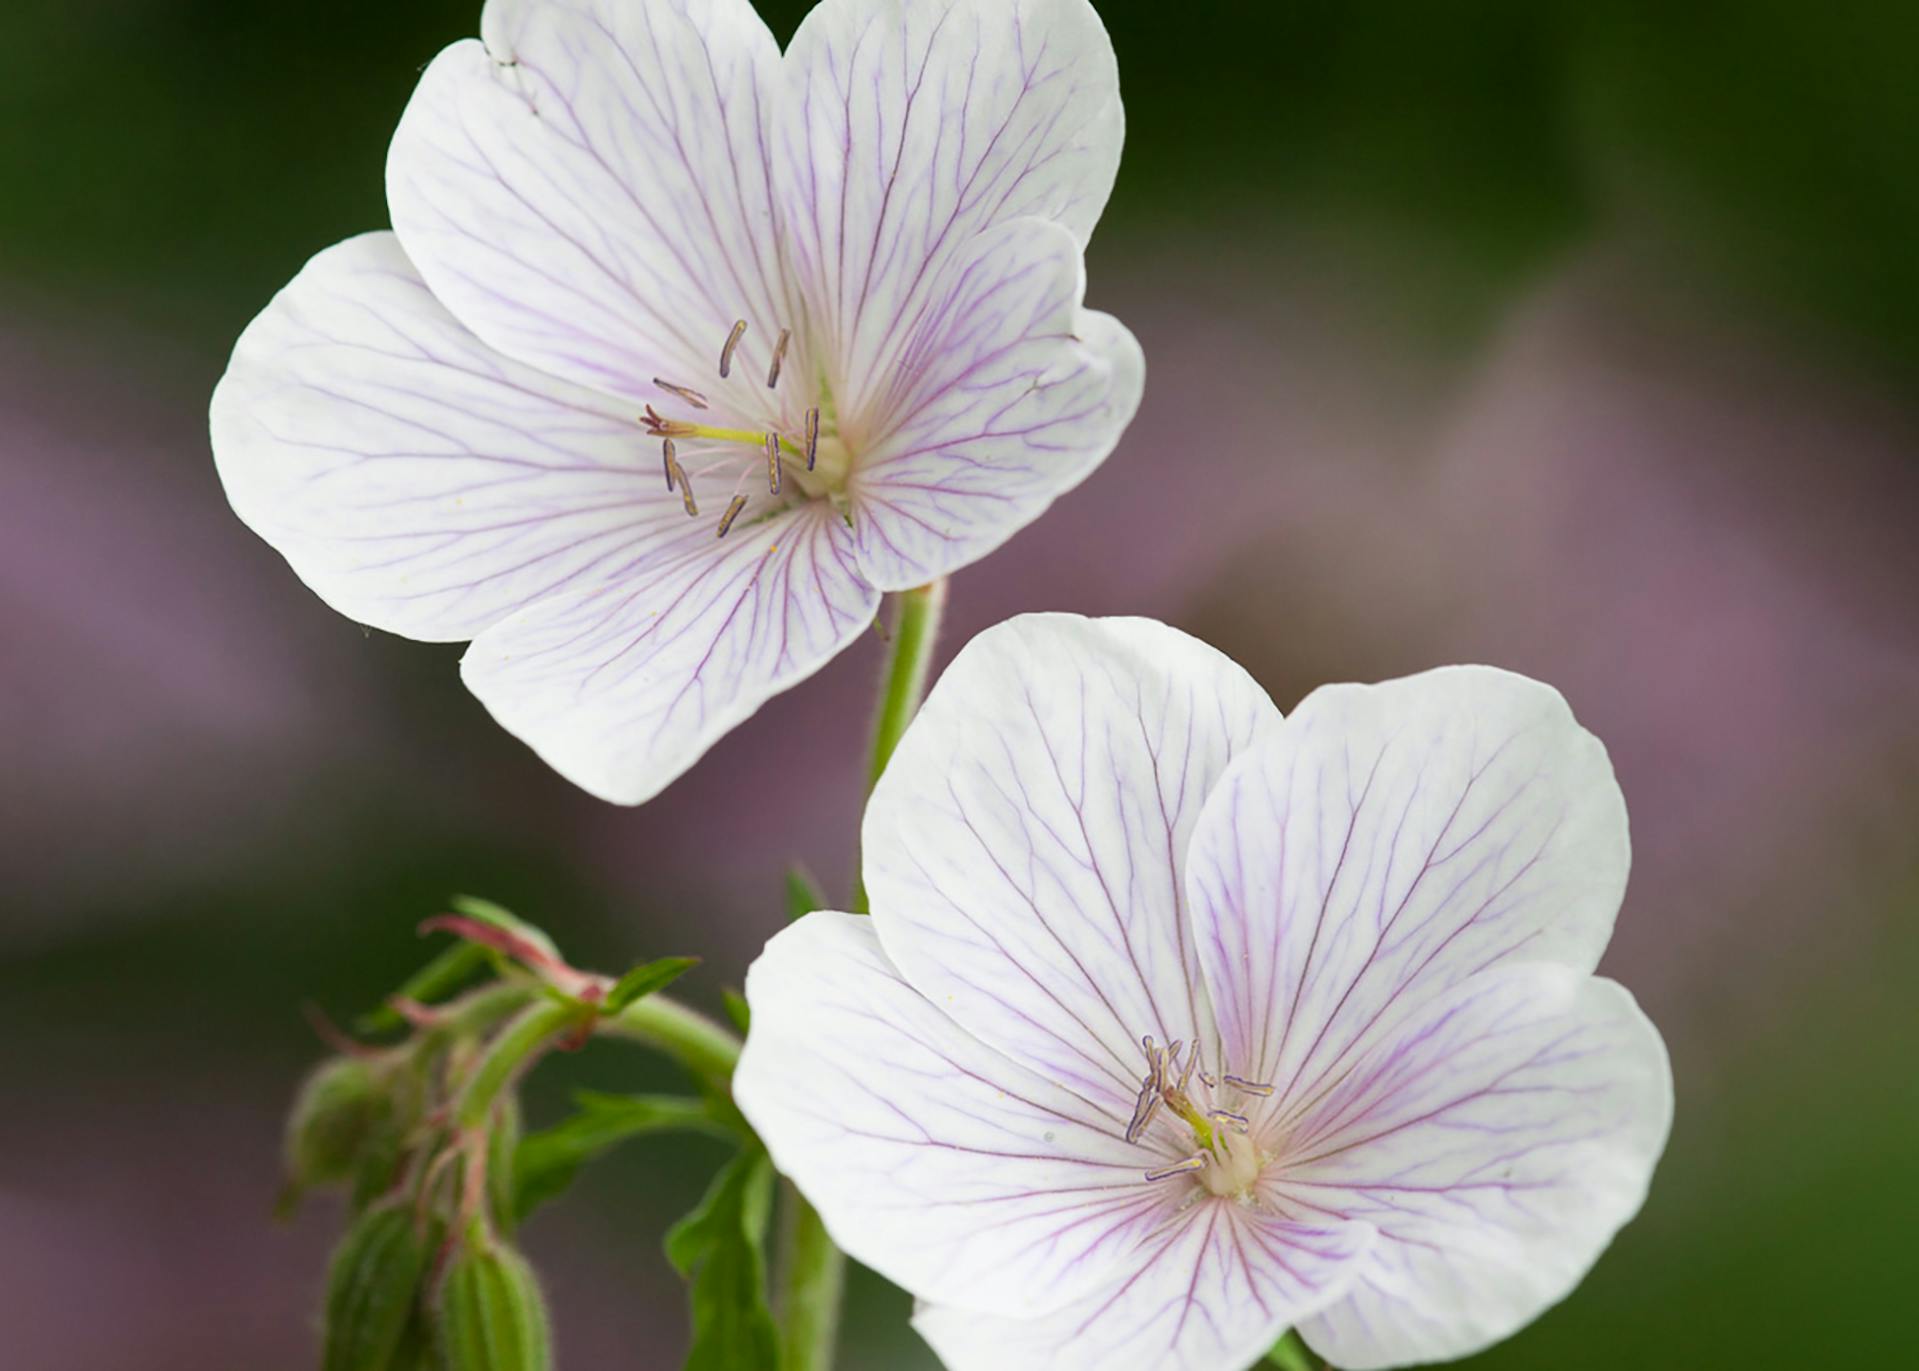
[
  {"x": 666, "y": 460},
  {"x": 773, "y": 462},
  {"x": 732, "y": 341},
  {"x": 1143, "y": 1109},
  {"x": 732, "y": 513},
  {"x": 1196, "y": 1162},
  {"x": 692, "y": 397},
  {"x": 1212, "y": 1081},
  {"x": 812, "y": 437},
  {"x": 779, "y": 353},
  {"x": 686, "y": 490},
  {"x": 1239, "y": 1123},
  {"x": 1250, "y": 1087},
  {"x": 1186, "y": 1076}
]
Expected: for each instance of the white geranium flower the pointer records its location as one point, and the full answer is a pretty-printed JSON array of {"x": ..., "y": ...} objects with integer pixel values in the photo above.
[
  {"x": 650, "y": 282},
  {"x": 1176, "y": 1025}
]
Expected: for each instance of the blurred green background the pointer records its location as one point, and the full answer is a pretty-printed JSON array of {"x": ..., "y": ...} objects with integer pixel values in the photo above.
[{"x": 1578, "y": 338}]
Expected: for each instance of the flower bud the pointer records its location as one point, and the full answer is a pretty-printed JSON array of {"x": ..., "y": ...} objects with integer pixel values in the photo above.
[
  {"x": 502, "y": 1153},
  {"x": 340, "y": 1107},
  {"x": 490, "y": 1313},
  {"x": 373, "y": 1289}
]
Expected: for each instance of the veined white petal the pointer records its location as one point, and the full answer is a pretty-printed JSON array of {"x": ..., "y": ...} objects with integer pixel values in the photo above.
[
  {"x": 1497, "y": 1142},
  {"x": 589, "y": 189},
  {"x": 1026, "y": 846},
  {"x": 623, "y": 687},
  {"x": 1211, "y": 1293},
  {"x": 1003, "y": 395},
  {"x": 906, "y": 128},
  {"x": 935, "y": 1160},
  {"x": 1389, "y": 841},
  {"x": 416, "y": 479}
]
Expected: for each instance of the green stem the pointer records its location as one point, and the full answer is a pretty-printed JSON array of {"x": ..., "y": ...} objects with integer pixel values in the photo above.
[
  {"x": 528, "y": 1033},
  {"x": 698, "y": 1043},
  {"x": 813, "y": 1270},
  {"x": 916, "y": 625},
  {"x": 810, "y": 1307}
]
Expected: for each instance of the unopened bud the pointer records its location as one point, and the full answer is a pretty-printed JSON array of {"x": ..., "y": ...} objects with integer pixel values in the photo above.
[
  {"x": 502, "y": 1155},
  {"x": 339, "y": 1109},
  {"x": 373, "y": 1289},
  {"x": 490, "y": 1315}
]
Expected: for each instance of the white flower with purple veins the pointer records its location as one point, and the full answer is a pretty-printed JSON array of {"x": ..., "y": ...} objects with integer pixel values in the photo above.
[
  {"x": 1176, "y": 1025},
  {"x": 682, "y": 351}
]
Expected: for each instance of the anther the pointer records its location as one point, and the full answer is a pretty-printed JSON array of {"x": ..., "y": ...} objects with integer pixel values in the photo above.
[
  {"x": 1239, "y": 1123},
  {"x": 773, "y": 462},
  {"x": 666, "y": 460},
  {"x": 732, "y": 513},
  {"x": 1196, "y": 1162},
  {"x": 686, "y": 490},
  {"x": 1250, "y": 1087},
  {"x": 686, "y": 393},
  {"x": 1212, "y": 1081},
  {"x": 812, "y": 437},
  {"x": 732, "y": 341},
  {"x": 1143, "y": 1109},
  {"x": 779, "y": 354}
]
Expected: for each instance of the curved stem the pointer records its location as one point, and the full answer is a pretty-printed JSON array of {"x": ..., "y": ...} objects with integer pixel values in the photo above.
[
  {"x": 698, "y": 1043},
  {"x": 524, "y": 1037}
]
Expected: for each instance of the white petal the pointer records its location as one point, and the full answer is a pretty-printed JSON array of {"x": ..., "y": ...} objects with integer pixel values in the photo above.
[
  {"x": 909, "y": 126},
  {"x": 1024, "y": 849},
  {"x": 589, "y": 189},
  {"x": 932, "y": 1158},
  {"x": 1385, "y": 843},
  {"x": 1212, "y": 1293},
  {"x": 415, "y": 478},
  {"x": 1003, "y": 396},
  {"x": 623, "y": 687},
  {"x": 1497, "y": 1143}
]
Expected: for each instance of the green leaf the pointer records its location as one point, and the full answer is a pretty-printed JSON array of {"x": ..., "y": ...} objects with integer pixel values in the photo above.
[
  {"x": 545, "y": 1162},
  {"x": 736, "y": 1010},
  {"x": 646, "y": 978},
  {"x": 719, "y": 1246},
  {"x": 803, "y": 894}
]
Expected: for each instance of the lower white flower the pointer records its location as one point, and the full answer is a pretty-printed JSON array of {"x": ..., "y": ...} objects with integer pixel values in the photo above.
[{"x": 1176, "y": 1025}]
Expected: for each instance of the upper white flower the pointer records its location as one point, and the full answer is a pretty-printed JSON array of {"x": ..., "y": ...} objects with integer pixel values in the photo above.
[
  {"x": 644, "y": 267},
  {"x": 1176, "y": 1025}
]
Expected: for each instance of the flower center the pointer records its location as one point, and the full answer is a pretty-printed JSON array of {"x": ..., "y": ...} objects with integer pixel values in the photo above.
[
  {"x": 1227, "y": 1160},
  {"x": 798, "y": 449}
]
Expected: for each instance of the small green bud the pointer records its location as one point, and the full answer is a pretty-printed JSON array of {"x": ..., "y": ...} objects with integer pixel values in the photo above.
[
  {"x": 341, "y": 1105},
  {"x": 491, "y": 1315},
  {"x": 373, "y": 1289}
]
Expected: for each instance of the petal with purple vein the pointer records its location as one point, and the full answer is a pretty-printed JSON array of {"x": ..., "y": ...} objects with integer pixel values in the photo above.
[
  {"x": 1497, "y": 1142},
  {"x": 933, "y": 1159},
  {"x": 1025, "y": 848},
  {"x": 416, "y": 479},
  {"x": 623, "y": 687}
]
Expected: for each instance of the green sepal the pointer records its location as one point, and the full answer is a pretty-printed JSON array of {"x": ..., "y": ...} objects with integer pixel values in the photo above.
[
  {"x": 803, "y": 894},
  {"x": 546, "y": 1162},
  {"x": 737, "y": 1010},
  {"x": 646, "y": 978},
  {"x": 489, "y": 1313},
  {"x": 1290, "y": 1353},
  {"x": 373, "y": 1288},
  {"x": 720, "y": 1247}
]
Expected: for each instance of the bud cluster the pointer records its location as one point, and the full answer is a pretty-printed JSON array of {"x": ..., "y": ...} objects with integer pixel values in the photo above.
[{"x": 423, "y": 1136}]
